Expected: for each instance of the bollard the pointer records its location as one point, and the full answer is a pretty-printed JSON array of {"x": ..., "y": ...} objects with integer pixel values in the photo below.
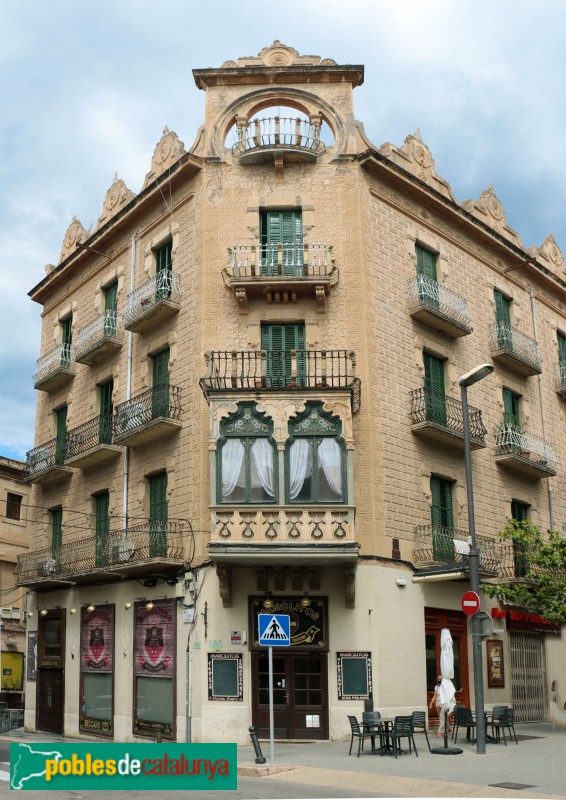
[
  {"x": 159, "y": 739},
  {"x": 260, "y": 758}
]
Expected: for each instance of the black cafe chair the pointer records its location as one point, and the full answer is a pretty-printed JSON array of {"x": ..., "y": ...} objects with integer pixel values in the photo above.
[
  {"x": 371, "y": 721},
  {"x": 498, "y": 723},
  {"x": 509, "y": 723},
  {"x": 359, "y": 734},
  {"x": 403, "y": 729},
  {"x": 464, "y": 718},
  {"x": 418, "y": 719}
]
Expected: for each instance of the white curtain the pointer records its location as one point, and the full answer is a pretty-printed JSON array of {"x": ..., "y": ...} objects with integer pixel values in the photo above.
[
  {"x": 298, "y": 463},
  {"x": 330, "y": 457},
  {"x": 262, "y": 452},
  {"x": 232, "y": 457}
]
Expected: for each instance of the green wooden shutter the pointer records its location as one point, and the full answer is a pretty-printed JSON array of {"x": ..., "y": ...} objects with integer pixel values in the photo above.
[
  {"x": 110, "y": 309},
  {"x": 106, "y": 411},
  {"x": 426, "y": 262},
  {"x": 511, "y": 407},
  {"x": 158, "y": 515},
  {"x": 503, "y": 320},
  {"x": 281, "y": 228},
  {"x": 66, "y": 341},
  {"x": 442, "y": 520},
  {"x": 435, "y": 395},
  {"x": 102, "y": 507},
  {"x": 163, "y": 257},
  {"x": 163, "y": 268},
  {"x": 520, "y": 513},
  {"x": 61, "y": 435},
  {"x": 279, "y": 340},
  {"x": 562, "y": 359},
  {"x": 56, "y": 532},
  {"x": 160, "y": 396}
]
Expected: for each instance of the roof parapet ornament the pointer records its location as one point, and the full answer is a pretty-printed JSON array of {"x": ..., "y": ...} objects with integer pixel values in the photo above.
[
  {"x": 168, "y": 150},
  {"x": 489, "y": 210},
  {"x": 550, "y": 255},
  {"x": 278, "y": 55},
  {"x": 117, "y": 196},
  {"x": 76, "y": 233}
]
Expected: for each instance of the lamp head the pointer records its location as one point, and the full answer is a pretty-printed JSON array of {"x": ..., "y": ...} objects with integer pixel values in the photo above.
[{"x": 476, "y": 374}]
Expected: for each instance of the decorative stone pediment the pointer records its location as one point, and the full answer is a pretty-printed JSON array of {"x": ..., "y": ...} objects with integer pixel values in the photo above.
[
  {"x": 117, "y": 196},
  {"x": 168, "y": 150},
  {"x": 416, "y": 158},
  {"x": 75, "y": 233},
  {"x": 550, "y": 255},
  {"x": 279, "y": 55},
  {"x": 490, "y": 211}
]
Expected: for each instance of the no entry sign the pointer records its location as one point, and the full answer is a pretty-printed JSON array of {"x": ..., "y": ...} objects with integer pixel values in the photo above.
[{"x": 470, "y": 603}]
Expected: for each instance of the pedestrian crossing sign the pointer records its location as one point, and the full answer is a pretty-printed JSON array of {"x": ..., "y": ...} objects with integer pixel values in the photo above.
[{"x": 274, "y": 630}]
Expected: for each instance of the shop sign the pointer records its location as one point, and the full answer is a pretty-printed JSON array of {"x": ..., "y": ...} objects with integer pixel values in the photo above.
[
  {"x": 307, "y": 622},
  {"x": 526, "y": 621},
  {"x": 31, "y": 661},
  {"x": 155, "y": 640},
  {"x": 97, "y": 640}
]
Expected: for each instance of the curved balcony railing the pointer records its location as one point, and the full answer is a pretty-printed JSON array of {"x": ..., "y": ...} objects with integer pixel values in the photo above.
[
  {"x": 313, "y": 260},
  {"x": 424, "y": 291},
  {"x": 444, "y": 546},
  {"x": 96, "y": 432},
  {"x": 51, "y": 454},
  {"x": 60, "y": 357},
  {"x": 513, "y": 439},
  {"x": 283, "y": 133},
  {"x": 106, "y": 326},
  {"x": 506, "y": 338},
  {"x": 165, "y": 285},
  {"x": 430, "y": 406},
  {"x": 158, "y": 402}
]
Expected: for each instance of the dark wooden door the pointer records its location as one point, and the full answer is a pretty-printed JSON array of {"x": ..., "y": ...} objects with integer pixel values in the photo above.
[
  {"x": 457, "y": 624},
  {"x": 51, "y": 700},
  {"x": 300, "y": 695}
]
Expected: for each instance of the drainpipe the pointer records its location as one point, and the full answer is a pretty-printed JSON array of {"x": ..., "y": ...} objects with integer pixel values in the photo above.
[
  {"x": 548, "y": 483},
  {"x": 129, "y": 389}
]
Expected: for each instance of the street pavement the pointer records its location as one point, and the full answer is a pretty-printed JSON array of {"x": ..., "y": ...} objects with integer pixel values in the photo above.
[{"x": 536, "y": 768}]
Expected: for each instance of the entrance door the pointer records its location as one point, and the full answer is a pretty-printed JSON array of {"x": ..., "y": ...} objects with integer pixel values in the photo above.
[
  {"x": 457, "y": 624},
  {"x": 300, "y": 695},
  {"x": 528, "y": 676},
  {"x": 50, "y": 695}
]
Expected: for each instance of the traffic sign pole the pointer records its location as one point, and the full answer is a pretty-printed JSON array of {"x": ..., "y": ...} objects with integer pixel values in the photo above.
[
  {"x": 273, "y": 630},
  {"x": 271, "y": 721}
]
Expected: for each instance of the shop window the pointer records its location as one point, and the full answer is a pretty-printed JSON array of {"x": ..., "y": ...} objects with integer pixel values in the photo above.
[{"x": 97, "y": 667}]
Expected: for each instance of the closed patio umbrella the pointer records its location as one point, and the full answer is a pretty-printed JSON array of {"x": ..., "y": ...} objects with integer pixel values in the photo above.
[{"x": 447, "y": 692}]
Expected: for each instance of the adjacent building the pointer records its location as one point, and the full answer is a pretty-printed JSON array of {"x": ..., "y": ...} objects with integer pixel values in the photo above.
[{"x": 248, "y": 403}]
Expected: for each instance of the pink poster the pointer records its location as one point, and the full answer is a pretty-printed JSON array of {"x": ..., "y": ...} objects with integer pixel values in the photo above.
[
  {"x": 155, "y": 639},
  {"x": 97, "y": 639}
]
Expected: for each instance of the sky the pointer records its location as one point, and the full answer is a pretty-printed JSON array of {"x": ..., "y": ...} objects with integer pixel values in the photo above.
[{"x": 87, "y": 88}]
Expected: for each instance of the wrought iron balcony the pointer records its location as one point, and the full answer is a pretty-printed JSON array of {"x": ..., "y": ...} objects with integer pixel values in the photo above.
[
  {"x": 261, "y": 140},
  {"x": 134, "y": 551},
  {"x": 514, "y": 349},
  {"x": 523, "y": 452},
  {"x": 102, "y": 336},
  {"x": 91, "y": 444},
  {"x": 435, "y": 305},
  {"x": 441, "y": 549},
  {"x": 46, "y": 464},
  {"x": 441, "y": 419},
  {"x": 280, "y": 272},
  {"x": 55, "y": 369},
  {"x": 149, "y": 416},
  {"x": 156, "y": 300},
  {"x": 561, "y": 379},
  {"x": 307, "y": 371}
]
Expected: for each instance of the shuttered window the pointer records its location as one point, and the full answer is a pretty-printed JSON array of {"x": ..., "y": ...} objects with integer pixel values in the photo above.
[
  {"x": 158, "y": 514},
  {"x": 102, "y": 520},
  {"x": 279, "y": 341},
  {"x": 511, "y": 407},
  {"x": 562, "y": 358},
  {"x": 56, "y": 531},
  {"x": 442, "y": 520},
  {"x": 106, "y": 411},
  {"x": 503, "y": 320},
  {"x": 66, "y": 341},
  {"x": 61, "y": 435},
  {"x": 281, "y": 243},
  {"x": 435, "y": 396},
  {"x": 110, "y": 309},
  {"x": 160, "y": 396},
  {"x": 163, "y": 257},
  {"x": 426, "y": 262},
  {"x": 520, "y": 513}
]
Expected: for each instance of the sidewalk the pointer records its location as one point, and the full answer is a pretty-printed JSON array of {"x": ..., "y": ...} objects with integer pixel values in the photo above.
[{"x": 537, "y": 766}]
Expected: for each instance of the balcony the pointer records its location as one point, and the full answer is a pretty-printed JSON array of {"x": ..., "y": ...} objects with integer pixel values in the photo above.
[
  {"x": 153, "y": 303},
  {"x": 514, "y": 349},
  {"x": 441, "y": 550},
  {"x": 280, "y": 272},
  {"x": 433, "y": 304},
  {"x": 523, "y": 452},
  {"x": 99, "y": 339},
  {"x": 46, "y": 464},
  {"x": 305, "y": 371},
  {"x": 55, "y": 369},
  {"x": 560, "y": 383},
  {"x": 133, "y": 552},
  {"x": 270, "y": 139},
  {"x": 441, "y": 419},
  {"x": 90, "y": 445},
  {"x": 148, "y": 417}
]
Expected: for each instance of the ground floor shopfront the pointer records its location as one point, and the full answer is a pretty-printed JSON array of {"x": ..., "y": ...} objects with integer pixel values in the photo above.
[{"x": 129, "y": 662}]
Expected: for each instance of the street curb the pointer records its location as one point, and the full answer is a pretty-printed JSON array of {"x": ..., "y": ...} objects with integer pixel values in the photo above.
[{"x": 261, "y": 771}]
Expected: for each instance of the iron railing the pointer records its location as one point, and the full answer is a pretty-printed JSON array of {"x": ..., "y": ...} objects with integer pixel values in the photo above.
[
  {"x": 503, "y": 337},
  {"x": 60, "y": 357},
  {"x": 165, "y": 285},
  {"x": 129, "y": 546},
  {"x": 278, "y": 132},
  {"x": 313, "y": 260},
  {"x": 91, "y": 434},
  {"x": 160, "y": 401},
  {"x": 424, "y": 291},
  {"x": 430, "y": 406},
  {"x": 443, "y": 546},
  {"x": 51, "y": 454},
  {"x": 282, "y": 369},
  {"x": 512, "y": 438},
  {"x": 106, "y": 326},
  {"x": 561, "y": 376}
]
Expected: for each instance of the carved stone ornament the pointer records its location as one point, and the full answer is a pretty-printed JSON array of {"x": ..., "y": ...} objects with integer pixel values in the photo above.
[
  {"x": 168, "y": 150},
  {"x": 550, "y": 249},
  {"x": 247, "y": 425},
  {"x": 489, "y": 210},
  {"x": 75, "y": 233},
  {"x": 117, "y": 196},
  {"x": 278, "y": 55}
]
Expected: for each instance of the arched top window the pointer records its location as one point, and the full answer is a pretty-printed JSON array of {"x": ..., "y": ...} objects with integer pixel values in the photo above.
[
  {"x": 315, "y": 458},
  {"x": 246, "y": 458}
]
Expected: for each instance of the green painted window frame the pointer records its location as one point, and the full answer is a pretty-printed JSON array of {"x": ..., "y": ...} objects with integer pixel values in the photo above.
[
  {"x": 102, "y": 527},
  {"x": 285, "y": 227},
  {"x": 106, "y": 411},
  {"x": 164, "y": 256},
  {"x": 160, "y": 405},
  {"x": 56, "y": 515},
  {"x": 158, "y": 514},
  {"x": 435, "y": 388},
  {"x": 278, "y": 338},
  {"x": 442, "y": 519},
  {"x": 426, "y": 262},
  {"x": 316, "y": 437},
  {"x": 511, "y": 407},
  {"x": 520, "y": 513},
  {"x": 66, "y": 341},
  {"x": 110, "y": 308},
  {"x": 61, "y": 435},
  {"x": 561, "y": 338}
]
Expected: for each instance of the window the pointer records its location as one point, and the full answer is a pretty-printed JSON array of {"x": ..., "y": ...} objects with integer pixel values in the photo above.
[
  {"x": 154, "y": 668},
  {"x": 66, "y": 341},
  {"x": 163, "y": 271},
  {"x": 158, "y": 512},
  {"x": 60, "y": 435},
  {"x": 435, "y": 395},
  {"x": 520, "y": 513},
  {"x": 503, "y": 321},
  {"x": 511, "y": 407},
  {"x": 13, "y": 506},
  {"x": 102, "y": 522},
  {"x": 315, "y": 458},
  {"x": 246, "y": 458},
  {"x": 56, "y": 518},
  {"x": 562, "y": 359},
  {"x": 281, "y": 243},
  {"x": 426, "y": 276},
  {"x": 279, "y": 341},
  {"x": 160, "y": 394},
  {"x": 96, "y": 657},
  {"x": 106, "y": 411},
  {"x": 110, "y": 309},
  {"x": 442, "y": 519},
  {"x": 163, "y": 257}
]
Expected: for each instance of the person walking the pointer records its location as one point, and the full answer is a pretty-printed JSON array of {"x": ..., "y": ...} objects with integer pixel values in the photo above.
[{"x": 435, "y": 702}]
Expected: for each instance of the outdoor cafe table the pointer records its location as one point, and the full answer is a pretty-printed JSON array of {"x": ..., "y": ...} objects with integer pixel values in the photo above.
[
  {"x": 488, "y": 739},
  {"x": 385, "y": 728}
]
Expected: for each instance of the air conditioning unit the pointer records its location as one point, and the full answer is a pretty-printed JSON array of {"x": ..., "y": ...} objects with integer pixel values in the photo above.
[
  {"x": 6, "y": 613},
  {"x": 11, "y": 642},
  {"x": 48, "y": 567},
  {"x": 122, "y": 552},
  {"x": 16, "y": 613}
]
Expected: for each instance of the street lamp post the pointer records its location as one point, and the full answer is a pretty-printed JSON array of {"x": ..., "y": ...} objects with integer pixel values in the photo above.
[{"x": 475, "y": 375}]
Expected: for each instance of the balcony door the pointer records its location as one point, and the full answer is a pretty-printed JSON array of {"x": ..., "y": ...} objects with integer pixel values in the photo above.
[
  {"x": 106, "y": 410},
  {"x": 279, "y": 341},
  {"x": 426, "y": 274},
  {"x": 158, "y": 512},
  {"x": 50, "y": 673},
  {"x": 160, "y": 395},
  {"x": 457, "y": 623},
  {"x": 435, "y": 393},
  {"x": 281, "y": 243},
  {"x": 503, "y": 320}
]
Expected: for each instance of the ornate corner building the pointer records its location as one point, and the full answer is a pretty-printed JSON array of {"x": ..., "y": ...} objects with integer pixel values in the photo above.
[{"x": 248, "y": 403}]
